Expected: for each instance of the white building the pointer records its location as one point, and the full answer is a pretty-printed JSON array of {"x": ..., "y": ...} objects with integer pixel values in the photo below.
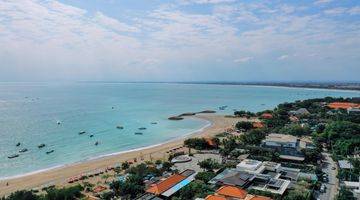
[{"x": 281, "y": 140}]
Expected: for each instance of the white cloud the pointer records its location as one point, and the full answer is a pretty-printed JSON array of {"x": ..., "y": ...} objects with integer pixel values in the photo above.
[
  {"x": 335, "y": 11},
  {"x": 243, "y": 59},
  {"x": 322, "y": 1},
  {"x": 354, "y": 10},
  {"x": 111, "y": 23},
  {"x": 283, "y": 57},
  {"x": 205, "y": 1}
]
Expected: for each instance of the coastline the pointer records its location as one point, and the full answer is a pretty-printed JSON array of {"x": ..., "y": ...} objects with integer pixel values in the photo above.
[{"x": 57, "y": 175}]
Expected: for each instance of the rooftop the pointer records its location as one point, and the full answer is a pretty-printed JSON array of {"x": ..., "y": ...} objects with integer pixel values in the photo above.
[
  {"x": 231, "y": 191},
  {"x": 166, "y": 184},
  {"x": 275, "y": 137},
  {"x": 214, "y": 197},
  {"x": 249, "y": 165},
  {"x": 345, "y": 164},
  {"x": 342, "y": 105}
]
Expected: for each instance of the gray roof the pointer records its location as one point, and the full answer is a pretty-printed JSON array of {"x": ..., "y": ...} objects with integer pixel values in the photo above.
[
  {"x": 148, "y": 196},
  {"x": 345, "y": 164},
  {"x": 233, "y": 177}
]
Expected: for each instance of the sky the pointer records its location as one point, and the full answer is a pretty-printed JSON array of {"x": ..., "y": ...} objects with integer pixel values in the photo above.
[{"x": 179, "y": 40}]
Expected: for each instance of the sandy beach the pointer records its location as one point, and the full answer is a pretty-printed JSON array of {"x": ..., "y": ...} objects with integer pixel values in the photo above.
[{"x": 58, "y": 176}]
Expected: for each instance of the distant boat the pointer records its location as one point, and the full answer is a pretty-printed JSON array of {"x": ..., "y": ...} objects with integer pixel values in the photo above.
[
  {"x": 13, "y": 156},
  {"x": 58, "y": 122},
  {"x": 222, "y": 107},
  {"x": 153, "y": 122},
  {"x": 96, "y": 143},
  {"x": 91, "y": 136},
  {"x": 82, "y": 132},
  {"x": 18, "y": 144},
  {"x": 142, "y": 128},
  {"x": 23, "y": 150},
  {"x": 49, "y": 152},
  {"x": 138, "y": 133},
  {"x": 41, "y": 146},
  {"x": 119, "y": 127}
]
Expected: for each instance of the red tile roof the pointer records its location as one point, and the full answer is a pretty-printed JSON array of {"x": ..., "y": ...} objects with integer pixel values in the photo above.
[
  {"x": 214, "y": 197},
  {"x": 210, "y": 142},
  {"x": 260, "y": 198},
  {"x": 267, "y": 116},
  {"x": 99, "y": 188},
  {"x": 258, "y": 125},
  {"x": 342, "y": 105},
  {"x": 166, "y": 184},
  {"x": 231, "y": 191}
]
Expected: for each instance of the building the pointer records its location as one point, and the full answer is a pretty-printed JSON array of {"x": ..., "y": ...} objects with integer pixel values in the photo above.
[
  {"x": 233, "y": 177},
  {"x": 280, "y": 140},
  {"x": 354, "y": 111},
  {"x": 300, "y": 112},
  {"x": 354, "y": 187},
  {"x": 266, "y": 116},
  {"x": 342, "y": 105},
  {"x": 254, "y": 174},
  {"x": 345, "y": 164},
  {"x": 288, "y": 146},
  {"x": 258, "y": 125},
  {"x": 233, "y": 193},
  {"x": 172, "y": 184}
]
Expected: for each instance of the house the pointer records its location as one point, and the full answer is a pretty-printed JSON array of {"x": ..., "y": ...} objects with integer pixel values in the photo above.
[
  {"x": 266, "y": 116},
  {"x": 172, "y": 184},
  {"x": 345, "y": 164},
  {"x": 342, "y": 105},
  {"x": 258, "y": 125},
  {"x": 233, "y": 177},
  {"x": 233, "y": 193},
  {"x": 254, "y": 174},
  {"x": 280, "y": 140},
  {"x": 354, "y": 187},
  {"x": 355, "y": 111},
  {"x": 300, "y": 112}
]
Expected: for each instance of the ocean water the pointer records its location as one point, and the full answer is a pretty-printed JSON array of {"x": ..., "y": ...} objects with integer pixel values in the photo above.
[{"x": 29, "y": 113}]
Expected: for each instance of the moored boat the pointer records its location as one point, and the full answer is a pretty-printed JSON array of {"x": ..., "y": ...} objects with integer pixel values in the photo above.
[
  {"x": 82, "y": 132},
  {"x": 18, "y": 144},
  {"x": 119, "y": 127},
  {"x": 49, "y": 152},
  {"x": 13, "y": 156},
  {"x": 41, "y": 146},
  {"x": 91, "y": 136},
  {"x": 23, "y": 150},
  {"x": 142, "y": 128},
  {"x": 138, "y": 133},
  {"x": 96, "y": 143}
]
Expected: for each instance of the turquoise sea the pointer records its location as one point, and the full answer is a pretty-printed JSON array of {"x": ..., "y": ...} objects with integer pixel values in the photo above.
[{"x": 29, "y": 113}]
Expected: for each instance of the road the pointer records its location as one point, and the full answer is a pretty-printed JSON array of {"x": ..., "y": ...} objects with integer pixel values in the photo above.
[{"x": 333, "y": 185}]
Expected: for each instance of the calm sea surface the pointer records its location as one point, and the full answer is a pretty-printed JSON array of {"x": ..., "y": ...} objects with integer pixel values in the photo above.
[{"x": 29, "y": 113}]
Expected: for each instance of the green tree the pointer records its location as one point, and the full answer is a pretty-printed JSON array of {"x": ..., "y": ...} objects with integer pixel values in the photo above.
[
  {"x": 209, "y": 164},
  {"x": 244, "y": 125},
  {"x": 205, "y": 176},
  {"x": 345, "y": 194}
]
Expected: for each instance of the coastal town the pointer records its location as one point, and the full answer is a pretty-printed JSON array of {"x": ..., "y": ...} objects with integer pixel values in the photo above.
[{"x": 301, "y": 150}]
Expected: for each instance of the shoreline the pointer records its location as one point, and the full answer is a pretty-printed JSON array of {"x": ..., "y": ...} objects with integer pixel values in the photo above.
[
  {"x": 95, "y": 158},
  {"x": 59, "y": 175}
]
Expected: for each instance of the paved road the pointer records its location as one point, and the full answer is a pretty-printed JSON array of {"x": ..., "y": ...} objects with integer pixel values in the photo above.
[{"x": 332, "y": 185}]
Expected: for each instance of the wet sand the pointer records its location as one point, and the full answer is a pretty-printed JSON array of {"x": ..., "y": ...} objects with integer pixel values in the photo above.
[{"x": 59, "y": 176}]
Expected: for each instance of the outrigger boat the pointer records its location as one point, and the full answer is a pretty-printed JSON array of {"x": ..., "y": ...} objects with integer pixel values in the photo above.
[
  {"x": 13, "y": 156},
  {"x": 49, "y": 152},
  {"x": 23, "y": 150}
]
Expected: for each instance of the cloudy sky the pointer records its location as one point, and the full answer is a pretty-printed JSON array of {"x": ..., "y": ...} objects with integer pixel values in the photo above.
[{"x": 180, "y": 40}]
